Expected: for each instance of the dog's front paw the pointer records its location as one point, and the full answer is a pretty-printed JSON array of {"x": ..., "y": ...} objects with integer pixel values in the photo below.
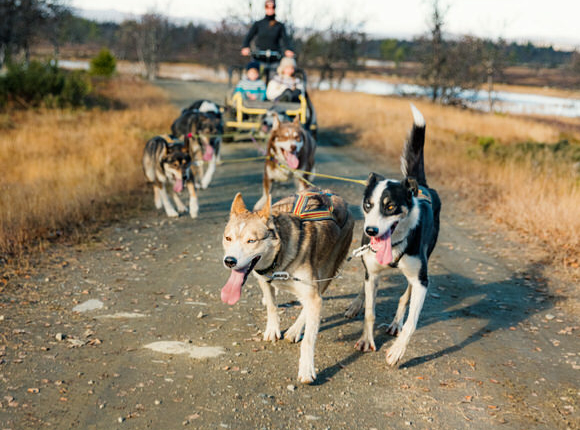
[
  {"x": 306, "y": 373},
  {"x": 193, "y": 208},
  {"x": 272, "y": 333},
  {"x": 395, "y": 328},
  {"x": 354, "y": 308},
  {"x": 171, "y": 213},
  {"x": 365, "y": 344},
  {"x": 395, "y": 353},
  {"x": 293, "y": 334}
]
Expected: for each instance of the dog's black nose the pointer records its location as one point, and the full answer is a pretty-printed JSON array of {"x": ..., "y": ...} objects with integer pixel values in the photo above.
[
  {"x": 230, "y": 261},
  {"x": 371, "y": 231}
]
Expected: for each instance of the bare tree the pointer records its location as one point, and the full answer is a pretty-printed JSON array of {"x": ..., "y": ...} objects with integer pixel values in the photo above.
[
  {"x": 21, "y": 21},
  {"x": 494, "y": 62},
  {"x": 434, "y": 54},
  {"x": 450, "y": 68},
  {"x": 334, "y": 50},
  {"x": 149, "y": 37}
]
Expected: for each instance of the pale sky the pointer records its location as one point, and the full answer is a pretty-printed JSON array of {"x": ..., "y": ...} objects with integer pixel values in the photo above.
[{"x": 552, "y": 21}]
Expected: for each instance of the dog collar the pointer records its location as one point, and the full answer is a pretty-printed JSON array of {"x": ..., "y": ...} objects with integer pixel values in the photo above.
[{"x": 270, "y": 268}]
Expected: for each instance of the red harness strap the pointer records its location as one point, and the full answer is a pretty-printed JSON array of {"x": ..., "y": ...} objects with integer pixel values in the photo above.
[{"x": 423, "y": 195}]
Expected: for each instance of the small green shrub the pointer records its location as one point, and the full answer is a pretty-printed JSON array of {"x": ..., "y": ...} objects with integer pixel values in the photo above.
[
  {"x": 43, "y": 83},
  {"x": 485, "y": 143},
  {"x": 75, "y": 90},
  {"x": 104, "y": 64}
]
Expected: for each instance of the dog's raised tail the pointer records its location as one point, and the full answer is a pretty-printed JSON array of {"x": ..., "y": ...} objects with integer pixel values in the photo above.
[{"x": 412, "y": 159}]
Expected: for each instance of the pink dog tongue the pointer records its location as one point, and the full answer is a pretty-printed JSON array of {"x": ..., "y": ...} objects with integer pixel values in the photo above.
[
  {"x": 292, "y": 160},
  {"x": 208, "y": 152},
  {"x": 232, "y": 291},
  {"x": 178, "y": 186},
  {"x": 382, "y": 246}
]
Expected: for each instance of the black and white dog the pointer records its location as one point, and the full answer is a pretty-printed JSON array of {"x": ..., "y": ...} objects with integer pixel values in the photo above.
[{"x": 400, "y": 231}]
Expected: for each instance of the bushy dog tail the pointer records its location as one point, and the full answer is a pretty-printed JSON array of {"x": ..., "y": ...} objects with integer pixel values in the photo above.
[{"x": 412, "y": 164}]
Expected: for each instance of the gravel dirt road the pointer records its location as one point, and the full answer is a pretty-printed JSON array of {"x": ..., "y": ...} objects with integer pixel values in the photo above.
[{"x": 127, "y": 330}]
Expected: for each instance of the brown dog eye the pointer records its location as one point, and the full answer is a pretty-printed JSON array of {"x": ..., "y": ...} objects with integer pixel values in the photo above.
[{"x": 228, "y": 239}]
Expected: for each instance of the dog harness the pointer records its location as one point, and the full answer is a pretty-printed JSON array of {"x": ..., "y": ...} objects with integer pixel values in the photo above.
[
  {"x": 170, "y": 140},
  {"x": 318, "y": 214}
]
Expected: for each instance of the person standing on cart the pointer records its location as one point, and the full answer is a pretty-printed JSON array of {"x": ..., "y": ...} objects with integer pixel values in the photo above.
[{"x": 270, "y": 35}]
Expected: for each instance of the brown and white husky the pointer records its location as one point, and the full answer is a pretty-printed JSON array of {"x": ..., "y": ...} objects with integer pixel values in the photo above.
[{"x": 290, "y": 147}]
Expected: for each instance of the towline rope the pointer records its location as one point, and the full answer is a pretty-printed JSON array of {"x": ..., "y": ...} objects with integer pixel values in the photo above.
[{"x": 322, "y": 175}]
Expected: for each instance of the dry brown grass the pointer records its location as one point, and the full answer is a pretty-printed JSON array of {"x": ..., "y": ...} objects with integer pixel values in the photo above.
[
  {"x": 61, "y": 168},
  {"x": 540, "y": 204}
]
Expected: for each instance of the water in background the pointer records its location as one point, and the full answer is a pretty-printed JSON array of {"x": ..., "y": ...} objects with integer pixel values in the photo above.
[{"x": 504, "y": 101}]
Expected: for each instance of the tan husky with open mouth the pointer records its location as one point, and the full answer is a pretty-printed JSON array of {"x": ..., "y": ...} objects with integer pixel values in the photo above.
[{"x": 297, "y": 245}]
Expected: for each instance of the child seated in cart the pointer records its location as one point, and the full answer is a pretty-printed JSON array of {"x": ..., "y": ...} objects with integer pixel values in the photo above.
[
  {"x": 251, "y": 86},
  {"x": 285, "y": 87}
]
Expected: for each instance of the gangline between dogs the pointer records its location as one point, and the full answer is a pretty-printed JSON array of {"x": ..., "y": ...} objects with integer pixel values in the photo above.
[{"x": 321, "y": 175}]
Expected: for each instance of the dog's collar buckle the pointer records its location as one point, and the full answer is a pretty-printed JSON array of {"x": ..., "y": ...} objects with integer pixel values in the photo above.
[
  {"x": 359, "y": 251},
  {"x": 280, "y": 276}
]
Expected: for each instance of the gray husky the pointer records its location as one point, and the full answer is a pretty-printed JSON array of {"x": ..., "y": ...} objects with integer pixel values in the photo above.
[{"x": 297, "y": 245}]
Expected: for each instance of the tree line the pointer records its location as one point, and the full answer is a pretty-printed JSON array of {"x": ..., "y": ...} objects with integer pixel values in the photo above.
[{"x": 447, "y": 66}]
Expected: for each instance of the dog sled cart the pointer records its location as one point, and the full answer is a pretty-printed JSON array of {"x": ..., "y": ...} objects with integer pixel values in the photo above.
[{"x": 246, "y": 118}]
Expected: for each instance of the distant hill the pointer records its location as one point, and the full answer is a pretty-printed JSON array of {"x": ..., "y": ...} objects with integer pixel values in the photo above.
[{"x": 113, "y": 15}]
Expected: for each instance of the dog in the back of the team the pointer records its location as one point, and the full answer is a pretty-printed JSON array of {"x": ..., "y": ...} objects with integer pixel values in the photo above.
[
  {"x": 203, "y": 123},
  {"x": 267, "y": 120},
  {"x": 289, "y": 147},
  {"x": 167, "y": 165},
  {"x": 297, "y": 245},
  {"x": 401, "y": 225}
]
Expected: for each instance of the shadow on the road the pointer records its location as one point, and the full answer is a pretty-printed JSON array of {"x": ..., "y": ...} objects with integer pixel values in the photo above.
[
  {"x": 502, "y": 304},
  {"x": 336, "y": 136}
]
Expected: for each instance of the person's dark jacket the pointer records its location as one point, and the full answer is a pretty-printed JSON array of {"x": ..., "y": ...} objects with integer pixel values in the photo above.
[{"x": 269, "y": 33}]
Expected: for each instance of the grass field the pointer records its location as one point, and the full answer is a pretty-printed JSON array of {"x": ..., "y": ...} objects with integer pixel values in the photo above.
[
  {"x": 62, "y": 169},
  {"x": 533, "y": 189}
]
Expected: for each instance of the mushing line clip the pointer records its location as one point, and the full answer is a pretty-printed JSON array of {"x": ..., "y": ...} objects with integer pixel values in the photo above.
[{"x": 359, "y": 251}]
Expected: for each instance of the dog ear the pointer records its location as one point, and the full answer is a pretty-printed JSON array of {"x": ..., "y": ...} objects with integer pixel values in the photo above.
[
  {"x": 238, "y": 205},
  {"x": 264, "y": 213},
  {"x": 373, "y": 179},
  {"x": 412, "y": 187},
  {"x": 296, "y": 119},
  {"x": 275, "y": 121},
  {"x": 163, "y": 152},
  {"x": 186, "y": 138}
]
